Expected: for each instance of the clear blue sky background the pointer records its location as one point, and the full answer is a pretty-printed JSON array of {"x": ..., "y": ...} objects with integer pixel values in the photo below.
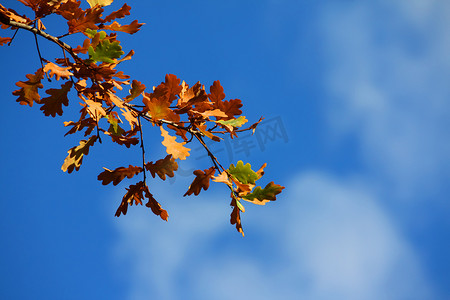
[{"x": 356, "y": 100}]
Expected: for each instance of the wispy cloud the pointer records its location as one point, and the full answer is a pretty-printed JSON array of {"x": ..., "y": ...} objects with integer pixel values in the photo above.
[
  {"x": 328, "y": 239},
  {"x": 387, "y": 74}
]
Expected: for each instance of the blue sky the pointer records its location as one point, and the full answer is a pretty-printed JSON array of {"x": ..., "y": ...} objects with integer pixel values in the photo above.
[{"x": 356, "y": 100}]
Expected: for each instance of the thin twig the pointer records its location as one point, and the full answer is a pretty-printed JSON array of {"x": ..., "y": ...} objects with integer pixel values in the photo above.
[
  {"x": 39, "y": 53},
  {"x": 14, "y": 35},
  {"x": 142, "y": 147}
]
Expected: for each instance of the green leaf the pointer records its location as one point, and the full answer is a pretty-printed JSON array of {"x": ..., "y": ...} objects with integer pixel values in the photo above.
[
  {"x": 240, "y": 206},
  {"x": 91, "y": 33},
  {"x": 234, "y": 122},
  {"x": 262, "y": 196},
  {"x": 243, "y": 173},
  {"x": 105, "y": 52}
]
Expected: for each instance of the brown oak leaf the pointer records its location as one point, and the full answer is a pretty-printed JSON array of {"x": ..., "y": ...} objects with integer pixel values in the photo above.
[
  {"x": 118, "y": 174},
  {"x": 53, "y": 105},
  {"x": 201, "y": 181},
  {"x": 155, "y": 206},
  {"x": 235, "y": 217},
  {"x": 163, "y": 167}
]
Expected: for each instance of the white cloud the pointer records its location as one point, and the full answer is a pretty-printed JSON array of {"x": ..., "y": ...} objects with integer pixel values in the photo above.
[
  {"x": 325, "y": 239},
  {"x": 388, "y": 78}
]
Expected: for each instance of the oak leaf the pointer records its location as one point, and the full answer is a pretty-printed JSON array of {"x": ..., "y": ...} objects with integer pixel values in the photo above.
[
  {"x": 137, "y": 88},
  {"x": 105, "y": 51},
  {"x": 93, "y": 3},
  {"x": 118, "y": 174},
  {"x": 134, "y": 195},
  {"x": 235, "y": 217},
  {"x": 4, "y": 40},
  {"x": 119, "y": 14},
  {"x": 233, "y": 123},
  {"x": 155, "y": 206},
  {"x": 29, "y": 89},
  {"x": 87, "y": 20},
  {"x": 201, "y": 181},
  {"x": 216, "y": 92},
  {"x": 76, "y": 154},
  {"x": 132, "y": 28},
  {"x": 231, "y": 108},
  {"x": 177, "y": 150},
  {"x": 53, "y": 105},
  {"x": 158, "y": 107},
  {"x": 58, "y": 71},
  {"x": 262, "y": 196},
  {"x": 243, "y": 173},
  {"x": 163, "y": 167}
]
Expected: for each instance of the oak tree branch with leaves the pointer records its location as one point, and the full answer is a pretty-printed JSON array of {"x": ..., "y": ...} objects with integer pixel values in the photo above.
[{"x": 182, "y": 113}]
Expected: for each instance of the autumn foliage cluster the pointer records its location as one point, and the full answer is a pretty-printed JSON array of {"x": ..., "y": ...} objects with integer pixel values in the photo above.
[{"x": 182, "y": 113}]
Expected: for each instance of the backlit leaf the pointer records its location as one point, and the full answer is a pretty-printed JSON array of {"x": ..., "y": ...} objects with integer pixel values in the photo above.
[
  {"x": 58, "y": 71},
  {"x": 177, "y": 150},
  {"x": 262, "y": 196},
  {"x": 119, "y": 14},
  {"x": 243, "y": 173},
  {"x": 76, "y": 154},
  {"x": 105, "y": 51},
  {"x": 93, "y": 3}
]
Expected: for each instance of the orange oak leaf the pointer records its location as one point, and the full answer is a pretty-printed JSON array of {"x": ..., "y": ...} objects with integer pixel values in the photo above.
[
  {"x": 76, "y": 154},
  {"x": 69, "y": 9},
  {"x": 118, "y": 174},
  {"x": 177, "y": 150},
  {"x": 29, "y": 89},
  {"x": 230, "y": 108},
  {"x": 133, "y": 27},
  {"x": 163, "y": 167},
  {"x": 58, "y": 71},
  {"x": 130, "y": 116},
  {"x": 87, "y": 20},
  {"x": 169, "y": 89},
  {"x": 53, "y": 105},
  {"x": 201, "y": 181},
  {"x": 137, "y": 88},
  {"x": 83, "y": 49},
  {"x": 157, "y": 107},
  {"x": 4, "y": 40},
  {"x": 95, "y": 109},
  {"x": 118, "y": 14}
]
